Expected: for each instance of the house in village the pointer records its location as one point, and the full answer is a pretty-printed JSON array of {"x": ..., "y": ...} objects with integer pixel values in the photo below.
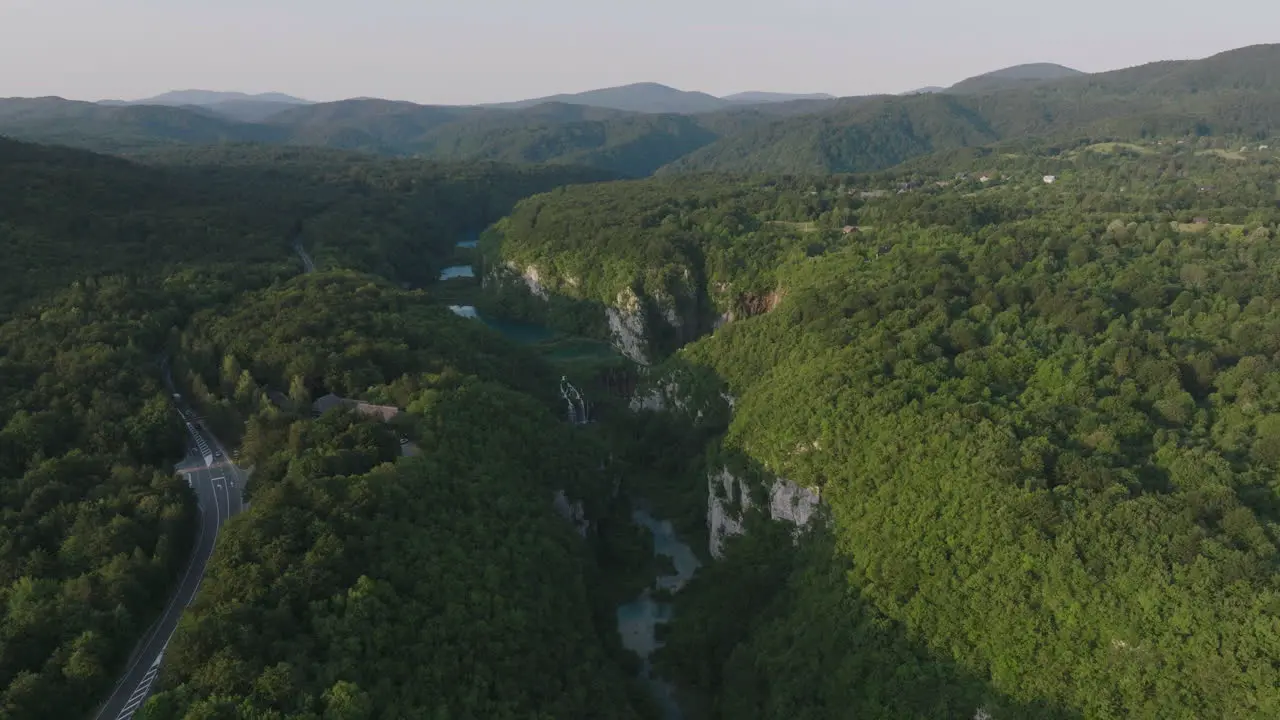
[{"x": 1050, "y": 179}]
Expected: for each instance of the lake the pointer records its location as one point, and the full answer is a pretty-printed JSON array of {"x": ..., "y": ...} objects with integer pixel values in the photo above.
[{"x": 457, "y": 271}]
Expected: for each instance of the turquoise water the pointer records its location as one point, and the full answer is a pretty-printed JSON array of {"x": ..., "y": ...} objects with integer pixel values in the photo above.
[
  {"x": 524, "y": 333},
  {"x": 457, "y": 271},
  {"x": 639, "y": 619}
]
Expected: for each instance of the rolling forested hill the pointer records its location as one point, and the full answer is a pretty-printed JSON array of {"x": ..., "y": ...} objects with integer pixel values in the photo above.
[
  {"x": 442, "y": 585},
  {"x": 66, "y": 213},
  {"x": 1234, "y": 93},
  {"x": 633, "y": 144},
  {"x": 1042, "y": 419},
  {"x": 111, "y": 264},
  {"x": 1012, "y": 77}
]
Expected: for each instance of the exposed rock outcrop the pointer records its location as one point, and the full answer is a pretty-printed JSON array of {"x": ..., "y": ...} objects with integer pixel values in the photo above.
[
  {"x": 667, "y": 394},
  {"x": 729, "y": 499},
  {"x": 727, "y": 503},
  {"x": 627, "y": 327},
  {"x": 749, "y": 305},
  {"x": 532, "y": 279},
  {"x": 692, "y": 392},
  {"x": 572, "y": 512}
]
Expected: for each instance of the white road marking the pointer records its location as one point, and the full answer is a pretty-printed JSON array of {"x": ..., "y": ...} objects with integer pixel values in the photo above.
[
  {"x": 220, "y": 483},
  {"x": 139, "y": 695},
  {"x": 191, "y": 564},
  {"x": 217, "y": 506}
]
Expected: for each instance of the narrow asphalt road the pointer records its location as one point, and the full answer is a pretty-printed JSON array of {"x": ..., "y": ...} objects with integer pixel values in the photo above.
[{"x": 218, "y": 488}]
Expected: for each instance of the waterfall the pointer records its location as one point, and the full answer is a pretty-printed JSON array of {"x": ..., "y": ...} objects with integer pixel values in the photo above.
[{"x": 577, "y": 407}]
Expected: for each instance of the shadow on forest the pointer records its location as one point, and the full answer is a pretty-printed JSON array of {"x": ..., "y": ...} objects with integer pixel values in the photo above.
[{"x": 774, "y": 629}]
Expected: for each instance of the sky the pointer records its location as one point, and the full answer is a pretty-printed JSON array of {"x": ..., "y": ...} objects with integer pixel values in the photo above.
[{"x": 474, "y": 51}]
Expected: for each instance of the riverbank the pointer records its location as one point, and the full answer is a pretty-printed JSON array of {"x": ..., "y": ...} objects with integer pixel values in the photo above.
[{"x": 639, "y": 619}]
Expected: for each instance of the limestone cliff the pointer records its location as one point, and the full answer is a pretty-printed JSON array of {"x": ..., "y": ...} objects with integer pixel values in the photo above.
[
  {"x": 747, "y": 305},
  {"x": 628, "y": 328},
  {"x": 532, "y": 279},
  {"x": 644, "y": 325},
  {"x": 729, "y": 499},
  {"x": 691, "y": 392}
]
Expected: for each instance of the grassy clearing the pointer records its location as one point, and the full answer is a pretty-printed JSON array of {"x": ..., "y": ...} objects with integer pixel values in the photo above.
[
  {"x": 1227, "y": 154},
  {"x": 1114, "y": 147},
  {"x": 804, "y": 227}
]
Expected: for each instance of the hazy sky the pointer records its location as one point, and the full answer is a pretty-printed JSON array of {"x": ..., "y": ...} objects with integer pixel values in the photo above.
[{"x": 465, "y": 51}]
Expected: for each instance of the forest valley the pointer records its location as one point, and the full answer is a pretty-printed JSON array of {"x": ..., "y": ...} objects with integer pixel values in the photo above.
[{"x": 991, "y": 434}]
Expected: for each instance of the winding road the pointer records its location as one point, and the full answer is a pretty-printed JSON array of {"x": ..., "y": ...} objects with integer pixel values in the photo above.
[{"x": 217, "y": 483}]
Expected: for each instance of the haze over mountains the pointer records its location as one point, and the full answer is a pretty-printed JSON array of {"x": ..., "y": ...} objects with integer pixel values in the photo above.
[
  {"x": 234, "y": 105},
  {"x": 959, "y": 403},
  {"x": 637, "y": 130},
  {"x": 656, "y": 98}
]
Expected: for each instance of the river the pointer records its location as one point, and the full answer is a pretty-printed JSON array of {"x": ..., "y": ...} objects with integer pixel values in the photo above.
[{"x": 638, "y": 620}]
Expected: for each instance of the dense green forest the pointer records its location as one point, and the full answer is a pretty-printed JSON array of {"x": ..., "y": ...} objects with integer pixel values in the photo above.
[
  {"x": 114, "y": 264},
  {"x": 628, "y": 144},
  {"x": 440, "y": 586},
  {"x": 94, "y": 526},
  {"x": 701, "y": 250},
  {"x": 1042, "y": 417},
  {"x": 66, "y": 214}
]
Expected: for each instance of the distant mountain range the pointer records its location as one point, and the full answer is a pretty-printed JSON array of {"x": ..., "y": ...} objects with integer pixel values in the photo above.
[
  {"x": 641, "y": 129},
  {"x": 235, "y": 105},
  {"x": 925, "y": 90},
  {"x": 759, "y": 98},
  {"x": 1012, "y": 77},
  {"x": 656, "y": 98},
  {"x": 1004, "y": 79},
  {"x": 209, "y": 97}
]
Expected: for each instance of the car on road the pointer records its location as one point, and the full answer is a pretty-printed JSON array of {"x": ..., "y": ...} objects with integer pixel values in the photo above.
[
  {"x": 404, "y": 441},
  {"x": 217, "y": 453}
]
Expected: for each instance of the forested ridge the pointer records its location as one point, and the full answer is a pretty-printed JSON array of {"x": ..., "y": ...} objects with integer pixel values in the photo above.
[
  {"x": 1048, "y": 476},
  {"x": 1231, "y": 93},
  {"x": 1041, "y": 416},
  {"x": 115, "y": 265},
  {"x": 440, "y": 586},
  {"x": 65, "y": 214}
]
